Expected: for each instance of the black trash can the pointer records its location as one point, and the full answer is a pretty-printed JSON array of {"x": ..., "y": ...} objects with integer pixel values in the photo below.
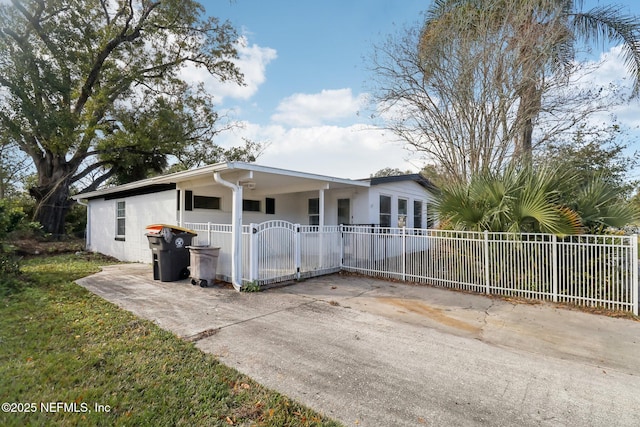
[{"x": 170, "y": 255}]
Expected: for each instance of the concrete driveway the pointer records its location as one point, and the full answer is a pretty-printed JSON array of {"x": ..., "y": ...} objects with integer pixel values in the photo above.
[{"x": 376, "y": 353}]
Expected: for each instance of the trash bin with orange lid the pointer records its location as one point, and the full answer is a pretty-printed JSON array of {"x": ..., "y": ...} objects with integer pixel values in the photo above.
[{"x": 170, "y": 255}]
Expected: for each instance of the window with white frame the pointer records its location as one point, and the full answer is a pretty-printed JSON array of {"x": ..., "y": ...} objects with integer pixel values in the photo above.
[
  {"x": 385, "y": 211},
  {"x": 120, "y": 220},
  {"x": 314, "y": 211},
  {"x": 344, "y": 212},
  {"x": 417, "y": 214},
  {"x": 402, "y": 212}
]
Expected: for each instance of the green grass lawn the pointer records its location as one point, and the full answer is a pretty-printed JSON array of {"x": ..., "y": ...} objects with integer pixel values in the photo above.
[{"x": 71, "y": 358}]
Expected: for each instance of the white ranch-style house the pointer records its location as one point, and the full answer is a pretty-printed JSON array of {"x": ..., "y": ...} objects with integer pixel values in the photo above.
[
  {"x": 222, "y": 201},
  {"x": 274, "y": 225}
]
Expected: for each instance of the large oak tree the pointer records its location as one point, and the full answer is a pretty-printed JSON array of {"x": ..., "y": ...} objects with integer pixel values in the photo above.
[{"x": 92, "y": 89}]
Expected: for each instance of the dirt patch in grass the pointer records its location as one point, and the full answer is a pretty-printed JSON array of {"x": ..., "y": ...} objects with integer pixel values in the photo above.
[{"x": 31, "y": 246}]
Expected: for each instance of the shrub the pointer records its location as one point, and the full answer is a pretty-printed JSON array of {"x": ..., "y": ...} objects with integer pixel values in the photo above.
[
  {"x": 10, "y": 281},
  {"x": 9, "y": 265},
  {"x": 11, "y": 217}
]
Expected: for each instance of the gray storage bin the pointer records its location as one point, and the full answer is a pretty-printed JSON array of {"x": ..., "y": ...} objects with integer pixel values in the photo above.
[{"x": 203, "y": 261}]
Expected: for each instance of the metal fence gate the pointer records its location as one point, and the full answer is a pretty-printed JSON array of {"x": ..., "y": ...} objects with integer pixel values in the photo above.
[
  {"x": 274, "y": 252},
  {"x": 283, "y": 251}
]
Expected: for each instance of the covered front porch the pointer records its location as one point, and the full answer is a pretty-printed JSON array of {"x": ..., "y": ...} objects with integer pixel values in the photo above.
[{"x": 225, "y": 206}]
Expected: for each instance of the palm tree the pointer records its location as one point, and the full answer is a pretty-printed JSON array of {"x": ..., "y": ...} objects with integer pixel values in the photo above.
[
  {"x": 524, "y": 199},
  {"x": 518, "y": 199},
  {"x": 543, "y": 34},
  {"x": 600, "y": 206}
]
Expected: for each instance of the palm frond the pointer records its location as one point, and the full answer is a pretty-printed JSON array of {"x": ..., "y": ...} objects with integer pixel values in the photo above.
[
  {"x": 610, "y": 23},
  {"x": 600, "y": 206}
]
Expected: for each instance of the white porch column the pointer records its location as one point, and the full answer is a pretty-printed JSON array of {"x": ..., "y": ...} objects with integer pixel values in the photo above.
[
  {"x": 236, "y": 248},
  {"x": 236, "y": 233},
  {"x": 181, "y": 206},
  {"x": 321, "y": 207},
  {"x": 321, "y": 227}
]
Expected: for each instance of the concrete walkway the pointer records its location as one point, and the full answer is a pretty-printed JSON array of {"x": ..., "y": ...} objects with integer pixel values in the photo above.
[{"x": 375, "y": 353}]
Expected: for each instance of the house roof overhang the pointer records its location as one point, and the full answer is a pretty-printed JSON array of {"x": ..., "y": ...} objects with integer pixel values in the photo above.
[
  {"x": 415, "y": 177},
  {"x": 261, "y": 179}
]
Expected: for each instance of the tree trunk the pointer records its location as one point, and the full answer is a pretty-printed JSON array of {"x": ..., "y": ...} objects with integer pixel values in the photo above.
[
  {"x": 52, "y": 193},
  {"x": 52, "y": 206},
  {"x": 529, "y": 108},
  {"x": 526, "y": 150}
]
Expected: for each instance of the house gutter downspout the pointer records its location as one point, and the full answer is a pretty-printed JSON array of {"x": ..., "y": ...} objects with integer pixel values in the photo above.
[{"x": 236, "y": 230}]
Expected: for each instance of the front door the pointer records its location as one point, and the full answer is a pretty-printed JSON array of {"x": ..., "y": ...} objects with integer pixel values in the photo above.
[{"x": 344, "y": 211}]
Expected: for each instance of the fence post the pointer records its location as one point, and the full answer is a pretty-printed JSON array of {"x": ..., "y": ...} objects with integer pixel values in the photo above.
[
  {"x": 486, "y": 261},
  {"x": 341, "y": 231},
  {"x": 404, "y": 253},
  {"x": 208, "y": 234},
  {"x": 554, "y": 266},
  {"x": 253, "y": 253},
  {"x": 634, "y": 273},
  {"x": 296, "y": 250},
  {"x": 321, "y": 231}
]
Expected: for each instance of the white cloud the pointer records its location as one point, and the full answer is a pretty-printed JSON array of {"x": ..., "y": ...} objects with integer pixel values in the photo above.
[
  {"x": 321, "y": 133},
  {"x": 328, "y": 106},
  {"x": 252, "y": 62},
  {"x": 354, "y": 151},
  {"x": 610, "y": 69}
]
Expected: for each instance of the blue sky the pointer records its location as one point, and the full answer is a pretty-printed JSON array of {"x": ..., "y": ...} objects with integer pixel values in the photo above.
[
  {"x": 305, "y": 68},
  {"x": 320, "y": 45}
]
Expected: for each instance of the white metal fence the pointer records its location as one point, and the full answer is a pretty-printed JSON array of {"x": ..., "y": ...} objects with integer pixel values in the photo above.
[
  {"x": 220, "y": 235},
  {"x": 584, "y": 270}
]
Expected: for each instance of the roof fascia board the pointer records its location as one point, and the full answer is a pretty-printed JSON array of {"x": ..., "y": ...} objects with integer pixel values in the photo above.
[
  {"x": 295, "y": 174},
  {"x": 417, "y": 178},
  {"x": 161, "y": 179},
  {"x": 177, "y": 177}
]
